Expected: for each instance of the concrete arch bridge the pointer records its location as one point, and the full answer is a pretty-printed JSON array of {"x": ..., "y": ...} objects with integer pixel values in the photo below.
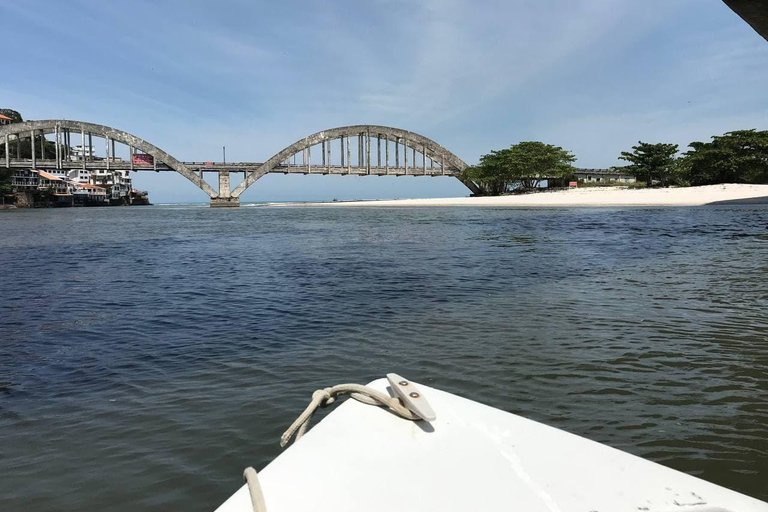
[{"x": 350, "y": 150}]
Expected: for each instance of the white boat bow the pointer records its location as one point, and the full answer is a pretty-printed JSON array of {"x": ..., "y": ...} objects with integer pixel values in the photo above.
[{"x": 470, "y": 457}]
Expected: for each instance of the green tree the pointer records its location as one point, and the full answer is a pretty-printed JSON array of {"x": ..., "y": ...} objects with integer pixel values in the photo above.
[
  {"x": 5, "y": 181},
  {"x": 652, "y": 163},
  {"x": 735, "y": 157},
  {"x": 522, "y": 166},
  {"x": 490, "y": 174}
]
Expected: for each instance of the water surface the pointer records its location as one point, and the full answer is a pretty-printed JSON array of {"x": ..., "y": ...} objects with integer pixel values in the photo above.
[{"x": 149, "y": 354}]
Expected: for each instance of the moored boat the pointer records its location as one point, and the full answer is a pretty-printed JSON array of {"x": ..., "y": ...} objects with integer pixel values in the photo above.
[{"x": 469, "y": 456}]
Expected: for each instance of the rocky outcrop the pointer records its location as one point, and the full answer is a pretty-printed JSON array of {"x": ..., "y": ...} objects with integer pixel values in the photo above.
[{"x": 25, "y": 200}]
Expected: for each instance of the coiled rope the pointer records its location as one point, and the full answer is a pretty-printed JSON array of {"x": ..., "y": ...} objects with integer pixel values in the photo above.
[{"x": 322, "y": 398}]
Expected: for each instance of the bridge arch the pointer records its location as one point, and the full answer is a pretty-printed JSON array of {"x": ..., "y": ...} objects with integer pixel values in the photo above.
[
  {"x": 106, "y": 132},
  {"x": 449, "y": 163}
]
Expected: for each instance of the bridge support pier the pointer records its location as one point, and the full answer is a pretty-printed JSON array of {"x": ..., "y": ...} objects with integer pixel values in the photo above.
[
  {"x": 224, "y": 199},
  {"x": 225, "y": 202}
]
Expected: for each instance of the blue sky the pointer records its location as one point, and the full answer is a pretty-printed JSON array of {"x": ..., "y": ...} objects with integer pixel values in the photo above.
[{"x": 593, "y": 76}]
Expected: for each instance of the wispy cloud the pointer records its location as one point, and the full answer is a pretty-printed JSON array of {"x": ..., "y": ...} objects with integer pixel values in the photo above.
[{"x": 191, "y": 76}]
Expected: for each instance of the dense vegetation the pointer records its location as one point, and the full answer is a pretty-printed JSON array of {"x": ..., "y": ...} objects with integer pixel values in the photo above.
[
  {"x": 735, "y": 157},
  {"x": 521, "y": 166}
]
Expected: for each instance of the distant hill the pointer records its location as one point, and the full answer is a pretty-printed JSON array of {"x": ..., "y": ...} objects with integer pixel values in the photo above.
[{"x": 12, "y": 114}]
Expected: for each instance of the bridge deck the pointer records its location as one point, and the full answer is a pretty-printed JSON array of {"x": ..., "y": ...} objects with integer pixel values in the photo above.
[{"x": 236, "y": 167}]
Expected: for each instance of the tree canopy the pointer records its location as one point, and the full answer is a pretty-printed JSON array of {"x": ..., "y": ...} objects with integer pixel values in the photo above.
[
  {"x": 651, "y": 163},
  {"x": 735, "y": 157},
  {"x": 521, "y": 165}
]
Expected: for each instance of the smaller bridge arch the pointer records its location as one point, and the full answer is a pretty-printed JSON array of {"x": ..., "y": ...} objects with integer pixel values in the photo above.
[
  {"x": 405, "y": 154},
  {"x": 59, "y": 126}
]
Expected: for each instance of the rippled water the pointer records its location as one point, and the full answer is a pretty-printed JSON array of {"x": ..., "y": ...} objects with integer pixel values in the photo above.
[{"x": 149, "y": 354}]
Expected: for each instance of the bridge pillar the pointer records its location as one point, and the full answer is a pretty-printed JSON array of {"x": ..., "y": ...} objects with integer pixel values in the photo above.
[
  {"x": 224, "y": 190},
  {"x": 224, "y": 199}
]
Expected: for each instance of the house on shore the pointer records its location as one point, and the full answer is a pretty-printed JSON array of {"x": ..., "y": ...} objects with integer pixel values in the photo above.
[
  {"x": 603, "y": 176},
  {"x": 85, "y": 193},
  {"x": 117, "y": 182},
  {"x": 42, "y": 188},
  {"x": 34, "y": 180}
]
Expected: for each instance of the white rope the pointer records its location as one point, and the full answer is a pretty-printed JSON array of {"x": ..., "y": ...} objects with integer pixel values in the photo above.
[
  {"x": 321, "y": 398},
  {"x": 327, "y": 396},
  {"x": 254, "y": 488}
]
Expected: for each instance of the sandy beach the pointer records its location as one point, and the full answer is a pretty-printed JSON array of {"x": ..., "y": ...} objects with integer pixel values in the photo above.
[{"x": 592, "y": 197}]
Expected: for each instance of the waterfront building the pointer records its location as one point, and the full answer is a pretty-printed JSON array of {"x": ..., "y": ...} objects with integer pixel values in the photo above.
[
  {"x": 59, "y": 173},
  {"x": 80, "y": 175},
  {"x": 603, "y": 175},
  {"x": 25, "y": 179},
  {"x": 33, "y": 180},
  {"x": 85, "y": 193},
  {"x": 117, "y": 182}
]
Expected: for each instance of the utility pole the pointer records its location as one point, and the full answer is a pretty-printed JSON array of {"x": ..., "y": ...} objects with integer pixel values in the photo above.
[{"x": 224, "y": 153}]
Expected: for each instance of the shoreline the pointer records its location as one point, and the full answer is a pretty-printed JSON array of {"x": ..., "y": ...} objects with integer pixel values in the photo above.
[{"x": 730, "y": 193}]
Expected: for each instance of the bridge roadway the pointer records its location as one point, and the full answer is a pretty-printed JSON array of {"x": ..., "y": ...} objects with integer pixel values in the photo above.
[{"x": 235, "y": 167}]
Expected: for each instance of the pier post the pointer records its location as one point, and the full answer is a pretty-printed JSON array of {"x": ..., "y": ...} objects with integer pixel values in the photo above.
[
  {"x": 386, "y": 150},
  {"x": 368, "y": 151},
  {"x": 405, "y": 154},
  {"x": 58, "y": 146}
]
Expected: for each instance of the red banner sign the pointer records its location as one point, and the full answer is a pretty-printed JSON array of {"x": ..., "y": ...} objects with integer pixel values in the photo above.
[{"x": 143, "y": 159}]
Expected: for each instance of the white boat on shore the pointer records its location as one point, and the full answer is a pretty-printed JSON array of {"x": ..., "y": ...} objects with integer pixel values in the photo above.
[{"x": 469, "y": 457}]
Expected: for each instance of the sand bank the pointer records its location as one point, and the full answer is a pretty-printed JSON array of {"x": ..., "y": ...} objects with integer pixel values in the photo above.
[{"x": 685, "y": 196}]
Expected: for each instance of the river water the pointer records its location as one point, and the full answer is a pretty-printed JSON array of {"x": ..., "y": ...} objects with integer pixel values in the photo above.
[{"x": 149, "y": 354}]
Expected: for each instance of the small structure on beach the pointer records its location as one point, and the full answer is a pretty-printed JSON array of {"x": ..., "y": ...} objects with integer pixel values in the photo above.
[{"x": 603, "y": 175}]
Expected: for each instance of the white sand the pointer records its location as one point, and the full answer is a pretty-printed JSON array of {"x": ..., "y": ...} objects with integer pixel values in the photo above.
[{"x": 685, "y": 196}]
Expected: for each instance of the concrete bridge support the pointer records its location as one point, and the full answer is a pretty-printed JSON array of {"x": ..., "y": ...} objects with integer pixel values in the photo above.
[{"x": 224, "y": 199}]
